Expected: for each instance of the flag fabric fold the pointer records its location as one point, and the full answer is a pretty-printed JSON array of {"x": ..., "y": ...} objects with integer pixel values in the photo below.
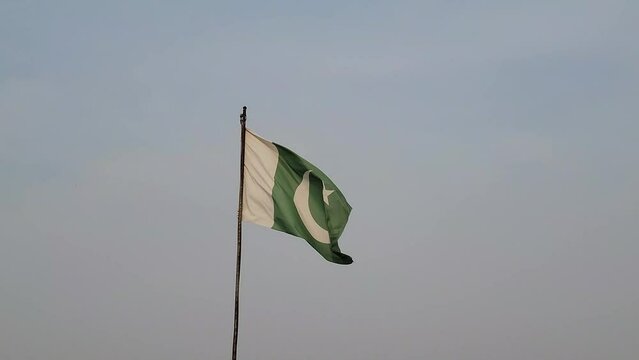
[{"x": 284, "y": 192}]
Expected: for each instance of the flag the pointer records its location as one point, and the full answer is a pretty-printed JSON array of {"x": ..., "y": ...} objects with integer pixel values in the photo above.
[{"x": 284, "y": 192}]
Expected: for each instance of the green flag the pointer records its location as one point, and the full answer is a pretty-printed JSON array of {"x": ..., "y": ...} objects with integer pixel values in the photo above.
[{"x": 284, "y": 192}]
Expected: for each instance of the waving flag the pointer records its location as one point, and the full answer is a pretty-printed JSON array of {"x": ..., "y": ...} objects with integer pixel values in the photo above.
[{"x": 284, "y": 192}]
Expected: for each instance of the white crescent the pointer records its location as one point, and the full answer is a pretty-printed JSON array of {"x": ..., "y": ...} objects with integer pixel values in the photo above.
[{"x": 300, "y": 198}]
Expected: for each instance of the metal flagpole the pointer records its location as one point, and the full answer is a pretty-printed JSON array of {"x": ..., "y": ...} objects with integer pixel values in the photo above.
[{"x": 239, "y": 236}]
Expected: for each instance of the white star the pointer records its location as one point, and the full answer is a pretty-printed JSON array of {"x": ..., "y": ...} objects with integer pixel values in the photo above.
[{"x": 326, "y": 194}]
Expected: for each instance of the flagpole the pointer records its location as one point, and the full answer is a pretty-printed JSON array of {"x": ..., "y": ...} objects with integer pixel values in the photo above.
[{"x": 238, "y": 261}]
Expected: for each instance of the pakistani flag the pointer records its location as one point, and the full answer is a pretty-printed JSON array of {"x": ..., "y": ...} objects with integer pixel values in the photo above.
[{"x": 284, "y": 192}]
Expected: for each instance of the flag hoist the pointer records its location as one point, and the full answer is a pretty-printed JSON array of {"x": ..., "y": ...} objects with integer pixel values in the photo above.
[{"x": 282, "y": 191}]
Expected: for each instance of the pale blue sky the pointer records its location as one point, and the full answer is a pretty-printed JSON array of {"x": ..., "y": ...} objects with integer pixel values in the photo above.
[{"x": 489, "y": 151}]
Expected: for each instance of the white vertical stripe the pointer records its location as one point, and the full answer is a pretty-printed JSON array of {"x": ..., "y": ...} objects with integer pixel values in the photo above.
[{"x": 260, "y": 163}]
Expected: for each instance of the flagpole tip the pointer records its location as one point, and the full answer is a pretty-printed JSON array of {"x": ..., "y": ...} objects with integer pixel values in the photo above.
[{"x": 243, "y": 115}]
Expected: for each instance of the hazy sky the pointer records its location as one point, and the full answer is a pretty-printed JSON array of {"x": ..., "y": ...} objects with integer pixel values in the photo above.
[{"x": 490, "y": 151}]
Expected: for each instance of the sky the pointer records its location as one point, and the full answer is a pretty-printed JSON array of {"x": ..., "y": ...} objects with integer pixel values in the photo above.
[{"x": 490, "y": 152}]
